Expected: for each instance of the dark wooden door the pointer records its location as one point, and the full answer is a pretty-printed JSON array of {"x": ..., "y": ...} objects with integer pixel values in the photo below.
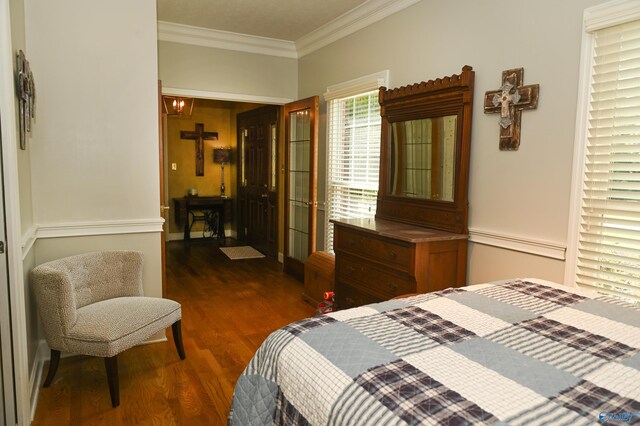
[
  {"x": 301, "y": 145},
  {"x": 257, "y": 178}
]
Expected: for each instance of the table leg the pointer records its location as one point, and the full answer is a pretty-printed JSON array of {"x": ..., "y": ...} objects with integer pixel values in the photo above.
[
  {"x": 187, "y": 235},
  {"x": 221, "y": 226}
]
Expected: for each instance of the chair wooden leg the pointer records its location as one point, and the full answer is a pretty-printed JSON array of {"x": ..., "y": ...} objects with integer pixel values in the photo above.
[
  {"x": 111, "y": 364},
  {"x": 177, "y": 338},
  {"x": 53, "y": 367}
]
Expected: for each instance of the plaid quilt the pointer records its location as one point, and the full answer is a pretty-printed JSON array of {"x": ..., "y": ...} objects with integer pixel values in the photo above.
[{"x": 515, "y": 352}]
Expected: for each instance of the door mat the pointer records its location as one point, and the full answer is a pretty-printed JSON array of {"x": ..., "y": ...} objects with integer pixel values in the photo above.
[{"x": 242, "y": 252}]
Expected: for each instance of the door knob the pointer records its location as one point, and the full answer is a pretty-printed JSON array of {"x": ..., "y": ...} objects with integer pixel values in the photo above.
[
  {"x": 164, "y": 208},
  {"x": 264, "y": 195}
]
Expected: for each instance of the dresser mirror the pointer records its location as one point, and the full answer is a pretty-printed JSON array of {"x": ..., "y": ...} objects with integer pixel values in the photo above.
[
  {"x": 424, "y": 165},
  {"x": 423, "y": 158}
]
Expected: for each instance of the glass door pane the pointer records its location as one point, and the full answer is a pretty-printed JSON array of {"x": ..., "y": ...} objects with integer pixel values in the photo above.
[
  {"x": 301, "y": 134},
  {"x": 299, "y": 162}
]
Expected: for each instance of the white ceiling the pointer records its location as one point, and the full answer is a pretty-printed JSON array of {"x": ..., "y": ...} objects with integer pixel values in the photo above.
[{"x": 279, "y": 19}]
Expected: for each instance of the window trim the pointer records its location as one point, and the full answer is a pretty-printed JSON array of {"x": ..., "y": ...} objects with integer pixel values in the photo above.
[
  {"x": 345, "y": 89},
  {"x": 595, "y": 18}
]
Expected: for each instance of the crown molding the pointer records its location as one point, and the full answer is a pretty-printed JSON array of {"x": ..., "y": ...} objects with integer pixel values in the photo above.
[
  {"x": 356, "y": 19},
  {"x": 187, "y": 34},
  {"x": 348, "y": 23}
]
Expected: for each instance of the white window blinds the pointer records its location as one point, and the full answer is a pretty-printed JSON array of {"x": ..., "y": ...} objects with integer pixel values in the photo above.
[
  {"x": 353, "y": 158},
  {"x": 608, "y": 252}
]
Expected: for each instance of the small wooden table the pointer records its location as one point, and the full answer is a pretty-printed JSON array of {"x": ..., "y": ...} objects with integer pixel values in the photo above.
[{"x": 184, "y": 205}]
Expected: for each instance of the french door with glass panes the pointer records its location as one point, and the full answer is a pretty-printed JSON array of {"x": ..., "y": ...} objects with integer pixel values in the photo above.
[{"x": 301, "y": 157}]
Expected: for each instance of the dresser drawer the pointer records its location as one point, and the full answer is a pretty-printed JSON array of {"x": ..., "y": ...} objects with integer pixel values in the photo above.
[
  {"x": 392, "y": 253},
  {"x": 380, "y": 282},
  {"x": 350, "y": 297}
]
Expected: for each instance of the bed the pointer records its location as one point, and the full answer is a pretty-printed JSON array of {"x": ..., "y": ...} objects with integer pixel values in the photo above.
[{"x": 514, "y": 352}]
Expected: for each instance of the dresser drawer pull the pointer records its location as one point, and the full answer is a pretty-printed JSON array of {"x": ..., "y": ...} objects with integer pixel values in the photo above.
[
  {"x": 393, "y": 286},
  {"x": 350, "y": 270},
  {"x": 351, "y": 242},
  {"x": 392, "y": 254},
  {"x": 350, "y": 302}
]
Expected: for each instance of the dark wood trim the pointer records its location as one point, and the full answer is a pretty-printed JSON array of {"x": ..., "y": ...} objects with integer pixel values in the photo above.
[{"x": 163, "y": 214}]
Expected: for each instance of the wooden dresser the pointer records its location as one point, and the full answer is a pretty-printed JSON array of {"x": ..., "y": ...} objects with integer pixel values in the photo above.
[
  {"x": 417, "y": 242},
  {"x": 378, "y": 259}
]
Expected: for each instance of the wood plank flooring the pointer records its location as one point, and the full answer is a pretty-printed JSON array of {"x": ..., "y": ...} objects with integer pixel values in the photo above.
[{"x": 228, "y": 309}]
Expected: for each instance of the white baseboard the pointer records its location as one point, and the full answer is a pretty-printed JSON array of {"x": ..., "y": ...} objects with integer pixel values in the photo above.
[{"x": 35, "y": 378}]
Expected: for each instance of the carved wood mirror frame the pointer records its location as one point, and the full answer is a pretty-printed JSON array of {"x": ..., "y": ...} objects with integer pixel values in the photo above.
[{"x": 451, "y": 95}]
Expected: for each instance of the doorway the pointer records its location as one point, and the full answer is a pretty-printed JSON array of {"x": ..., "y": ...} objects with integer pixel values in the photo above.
[
  {"x": 258, "y": 135},
  {"x": 182, "y": 180}
]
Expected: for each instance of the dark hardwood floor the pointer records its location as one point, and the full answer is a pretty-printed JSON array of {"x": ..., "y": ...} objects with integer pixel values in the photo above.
[{"x": 228, "y": 309}]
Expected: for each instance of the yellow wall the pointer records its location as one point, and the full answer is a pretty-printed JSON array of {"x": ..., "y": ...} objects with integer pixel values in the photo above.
[{"x": 217, "y": 116}]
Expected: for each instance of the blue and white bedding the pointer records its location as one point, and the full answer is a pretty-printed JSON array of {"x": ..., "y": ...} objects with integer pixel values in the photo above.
[{"x": 515, "y": 352}]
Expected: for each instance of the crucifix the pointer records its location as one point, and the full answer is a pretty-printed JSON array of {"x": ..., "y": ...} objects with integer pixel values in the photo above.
[
  {"x": 509, "y": 101},
  {"x": 199, "y": 136}
]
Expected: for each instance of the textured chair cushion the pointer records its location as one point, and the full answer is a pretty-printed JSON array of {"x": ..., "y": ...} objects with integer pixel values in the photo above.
[{"x": 111, "y": 326}]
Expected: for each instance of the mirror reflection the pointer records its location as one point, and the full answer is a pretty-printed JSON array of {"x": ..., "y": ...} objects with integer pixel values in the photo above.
[{"x": 423, "y": 158}]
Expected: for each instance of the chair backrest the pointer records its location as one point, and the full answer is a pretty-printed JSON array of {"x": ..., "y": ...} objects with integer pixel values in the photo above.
[
  {"x": 101, "y": 275},
  {"x": 62, "y": 286}
]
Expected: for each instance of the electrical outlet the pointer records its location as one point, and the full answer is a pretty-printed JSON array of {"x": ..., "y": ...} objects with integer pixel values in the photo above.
[{"x": 174, "y": 166}]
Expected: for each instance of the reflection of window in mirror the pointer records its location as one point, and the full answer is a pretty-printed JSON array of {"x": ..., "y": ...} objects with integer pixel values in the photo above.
[{"x": 423, "y": 158}]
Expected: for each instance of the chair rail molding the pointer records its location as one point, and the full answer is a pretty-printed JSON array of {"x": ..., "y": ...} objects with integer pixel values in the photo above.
[
  {"x": 553, "y": 250},
  {"x": 104, "y": 227}
]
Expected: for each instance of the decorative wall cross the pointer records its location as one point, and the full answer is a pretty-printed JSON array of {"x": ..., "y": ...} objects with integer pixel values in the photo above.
[
  {"x": 26, "y": 97},
  {"x": 509, "y": 101},
  {"x": 199, "y": 136}
]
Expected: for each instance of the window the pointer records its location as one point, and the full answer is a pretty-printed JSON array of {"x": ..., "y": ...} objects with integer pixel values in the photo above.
[
  {"x": 353, "y": 150},
  {"x": 604, "y": 250}
]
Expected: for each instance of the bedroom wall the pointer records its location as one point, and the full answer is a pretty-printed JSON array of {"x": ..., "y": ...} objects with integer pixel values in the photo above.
[
  {"x": 94, "y": 154},
  {"x": 210, "y": 69},
  {"x": 25, "y": 195},
  {"x": 521, "y": 195},
  {"x": 24, "y": 156}
]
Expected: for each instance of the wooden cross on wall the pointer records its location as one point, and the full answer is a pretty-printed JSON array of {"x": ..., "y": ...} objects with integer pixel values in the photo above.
[
  {"x": 199, "y": 136},
  {"x": 509, "y": 101}
]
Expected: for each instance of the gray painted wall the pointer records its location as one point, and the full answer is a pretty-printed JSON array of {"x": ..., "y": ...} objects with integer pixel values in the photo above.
[{"x": 524, "y": 193}]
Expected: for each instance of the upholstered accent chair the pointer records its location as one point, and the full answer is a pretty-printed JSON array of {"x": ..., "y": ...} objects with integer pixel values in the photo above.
[{"x": 92, "y": 304}]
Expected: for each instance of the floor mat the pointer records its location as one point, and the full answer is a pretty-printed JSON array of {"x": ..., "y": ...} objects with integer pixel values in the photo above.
[{"x": 242, "y": 252}]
